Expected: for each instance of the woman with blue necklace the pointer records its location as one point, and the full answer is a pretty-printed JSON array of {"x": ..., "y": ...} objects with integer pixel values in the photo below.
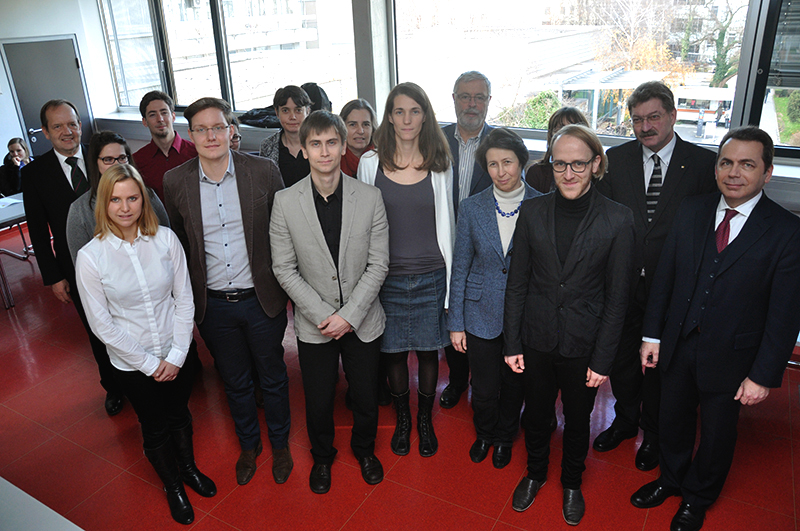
[{"x": 481, "y": 259}]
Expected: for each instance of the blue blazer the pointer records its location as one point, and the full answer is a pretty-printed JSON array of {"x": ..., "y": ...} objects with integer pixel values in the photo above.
[
  {"x": 480, "y": 179},
  {"x": 478, "y": 283}
]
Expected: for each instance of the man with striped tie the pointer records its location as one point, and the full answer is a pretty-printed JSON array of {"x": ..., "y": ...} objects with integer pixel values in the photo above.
[{"x": 651, "y": 175}]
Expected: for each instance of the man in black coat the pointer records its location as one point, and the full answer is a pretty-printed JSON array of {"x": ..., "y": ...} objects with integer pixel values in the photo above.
[
  {"x": 651, "y": 175},
  {"x": 721, "y": 322},
  {"x": 49, "y": 186}
]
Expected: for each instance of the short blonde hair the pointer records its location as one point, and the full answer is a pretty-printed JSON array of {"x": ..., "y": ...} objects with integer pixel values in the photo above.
[
  {"x": 588, "y": 137},
  {"x": 148, "y": 221}
]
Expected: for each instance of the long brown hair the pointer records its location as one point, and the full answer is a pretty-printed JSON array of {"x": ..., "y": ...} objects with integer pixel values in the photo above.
[
  {"x": 148, "y": 221},
  {"x": 432, "y": 143}
]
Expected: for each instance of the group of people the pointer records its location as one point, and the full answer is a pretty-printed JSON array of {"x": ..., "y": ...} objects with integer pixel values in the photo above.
[{"x": 403, "y": 236}]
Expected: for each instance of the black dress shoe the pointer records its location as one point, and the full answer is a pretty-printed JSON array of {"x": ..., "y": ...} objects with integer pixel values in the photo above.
[
  {"x": 501, "y": 456},
  {"x": 479, "y": 450},
  {"x": 652, "y": 495},
  {"x": 687, "y": 518},
  {"x": 113, "y": 404},
  {"x": 371, "y": 469},
  {"x": 611, "y": 438},
  {"x": 647, "y": 456},
  {"x": 525, "y": 493},
  {"x": 320, "y": 479},
  {"x": 573, "y": 507},
  {"x": 450, "y": 396}
]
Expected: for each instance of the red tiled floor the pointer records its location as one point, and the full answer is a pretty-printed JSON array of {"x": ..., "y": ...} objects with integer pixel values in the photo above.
[{"x": 57, "y": 443}]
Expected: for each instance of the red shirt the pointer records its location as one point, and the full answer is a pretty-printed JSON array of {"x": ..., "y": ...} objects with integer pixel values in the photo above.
[
  {"x": 350, "y": 161},
  {"x": 152, "y": 163}
]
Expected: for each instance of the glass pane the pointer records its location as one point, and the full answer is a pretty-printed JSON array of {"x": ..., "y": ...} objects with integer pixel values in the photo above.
[
  {"x": 131, "y": 45},
  {"x": 273, "y": 43},
  {"x": 589, "y": 54},
  {"x": 191, "y": 47},
  {"x": 780, "y": 114}
]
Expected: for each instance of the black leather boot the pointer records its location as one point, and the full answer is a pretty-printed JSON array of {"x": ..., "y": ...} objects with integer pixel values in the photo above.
[
  {"x": 428, "y": 444},
  {"x": 166, "y": 466},
  {"x": 199, "y": 482},
  {"x": 401, "y": 440}
]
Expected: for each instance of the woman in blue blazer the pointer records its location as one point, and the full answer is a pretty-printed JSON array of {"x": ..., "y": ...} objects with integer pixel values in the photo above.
[{"x": 481, "y": 259}]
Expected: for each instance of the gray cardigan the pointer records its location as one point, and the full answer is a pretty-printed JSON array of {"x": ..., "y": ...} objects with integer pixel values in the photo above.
[{"x": 81, "y": 222}]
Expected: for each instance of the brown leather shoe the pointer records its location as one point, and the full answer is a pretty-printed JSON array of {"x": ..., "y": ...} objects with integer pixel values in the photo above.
[
  {"x": 282, "y": 464},
  {"x": 246, "y": 465}
]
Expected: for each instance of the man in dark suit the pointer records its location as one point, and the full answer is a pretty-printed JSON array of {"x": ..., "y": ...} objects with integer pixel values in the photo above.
[
  {"x": 651, "y": 175},
  {"x": 219, "y": 207},
  {"x": 49, "y": 186},
  {"x": 721, "y": 322},
  {"x": 472, "y": 93}
]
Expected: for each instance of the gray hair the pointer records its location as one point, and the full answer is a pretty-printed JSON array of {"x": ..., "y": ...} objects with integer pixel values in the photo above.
[{"x": 472, "y": 75}]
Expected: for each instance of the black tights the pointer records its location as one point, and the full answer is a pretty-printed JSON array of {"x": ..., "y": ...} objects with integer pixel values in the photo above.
[{"x": 397, "y": 371}]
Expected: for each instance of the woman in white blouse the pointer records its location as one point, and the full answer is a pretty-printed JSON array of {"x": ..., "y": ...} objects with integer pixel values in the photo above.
[{"x": 135, "y": 286}]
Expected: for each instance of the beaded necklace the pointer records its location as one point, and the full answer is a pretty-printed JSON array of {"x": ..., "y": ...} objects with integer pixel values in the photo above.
[{"x": 507, "y": 214}]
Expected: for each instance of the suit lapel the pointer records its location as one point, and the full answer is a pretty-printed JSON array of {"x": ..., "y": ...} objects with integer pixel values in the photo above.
[
  {"x": 489, "y": 229},
  {"x": 675, "y": 173},
  {"x": 636, "y": 181},
  {"x": 306, "y": 201},
  {"x": 349, "y": 206},
  {"x": 60, "y": 179},
  {"x": 754, "y": 228},
  {"x": 704, "y": 223},
  {"x": 244, "y": 185},
  {"x": 195, "y": 210}
]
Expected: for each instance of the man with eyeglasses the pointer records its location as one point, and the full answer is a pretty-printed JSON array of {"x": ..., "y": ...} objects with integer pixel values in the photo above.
[
  {"x": 651, "y": 175},
  {"x": 166, "y": 149},
  {"x": 49, "y": 186},
  {"x": 472, "y": 93},
  {"x": 219, "y": 207}
]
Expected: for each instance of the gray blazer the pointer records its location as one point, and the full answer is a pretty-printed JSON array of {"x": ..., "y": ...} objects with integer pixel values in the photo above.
[
  {"x": 257, "y": 180},
  {"x": 306, "y": 271},
  {"x": 480, "y": 269}
]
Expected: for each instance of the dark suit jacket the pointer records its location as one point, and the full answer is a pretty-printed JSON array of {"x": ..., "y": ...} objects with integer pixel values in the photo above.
[
  {"x": 691, "y": 172},
  {"x": 480, "y": 179},
  {"x": 257, "y": 179},
  {"x": 579, "y": 307},
  {"x": 47, "y": 195},
  {"x": 752, "y": 318}
]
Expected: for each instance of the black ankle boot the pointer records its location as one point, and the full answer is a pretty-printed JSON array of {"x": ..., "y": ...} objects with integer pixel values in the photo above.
[
  {"x": 401, "y": 440},
  {"x": 428, "y": 445},
  {"x": 199, "y": 482},
  {"x": 166, "y": 466}
]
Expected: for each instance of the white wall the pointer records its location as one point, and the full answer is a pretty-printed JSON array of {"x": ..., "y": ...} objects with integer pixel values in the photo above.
[{"x": 40, "y": 18}]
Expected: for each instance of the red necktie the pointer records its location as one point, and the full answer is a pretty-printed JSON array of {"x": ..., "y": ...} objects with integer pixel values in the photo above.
[{"x": 724, "y": 230}]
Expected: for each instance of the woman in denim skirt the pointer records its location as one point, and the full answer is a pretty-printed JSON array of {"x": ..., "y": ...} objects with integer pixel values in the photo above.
[{"x": 412, "y": 168}]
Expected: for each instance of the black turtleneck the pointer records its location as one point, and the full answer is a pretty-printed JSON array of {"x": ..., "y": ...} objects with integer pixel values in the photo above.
[{"x": 569, "y": 213}]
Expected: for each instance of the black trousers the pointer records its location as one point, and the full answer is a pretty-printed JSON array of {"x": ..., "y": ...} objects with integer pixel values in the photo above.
[
  {"x": 700, "y": 479},
  {"x": 458, "y": 364},
  {"x": 319, "y": 364},
  {"x": 545, "y": 374},
  {"x": 638, "y": 396},
  {"x": 107, "y": 371},
  {"x": 497, "y": 395},
  {"x": 160, "y": 406}
]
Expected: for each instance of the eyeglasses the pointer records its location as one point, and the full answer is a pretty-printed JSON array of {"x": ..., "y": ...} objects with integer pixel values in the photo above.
[
  {"x": 108, "y": 161},
  {"x": 477, "y": 98},
  {"x": 236, "y": 138},
  {"x": 652, "y": 119},
  {"x": 217, "y": 129},
  {"x": 577, "y": 166}
]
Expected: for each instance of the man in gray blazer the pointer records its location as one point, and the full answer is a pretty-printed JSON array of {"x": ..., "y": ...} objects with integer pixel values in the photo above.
[
  {"x": 330, "y": 248},
  {"x": 219, "y": 207}
]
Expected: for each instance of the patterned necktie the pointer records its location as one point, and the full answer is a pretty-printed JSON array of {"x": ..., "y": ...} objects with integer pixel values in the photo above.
[
  {"x": 723, "y": 232},
  {"x": 79, "y": 182},
  {"x": 654, "y": 188}
]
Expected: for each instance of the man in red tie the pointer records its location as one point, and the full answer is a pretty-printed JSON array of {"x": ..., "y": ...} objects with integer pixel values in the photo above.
[{"x": 721, "y": 322}]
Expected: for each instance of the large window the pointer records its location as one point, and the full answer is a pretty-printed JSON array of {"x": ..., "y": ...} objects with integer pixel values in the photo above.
[
  {"x": 590, "y": 54},
  {"x": 242, "y": 50}
]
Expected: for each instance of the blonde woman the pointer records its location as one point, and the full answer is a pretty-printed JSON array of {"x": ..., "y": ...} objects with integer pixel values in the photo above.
[{"x": 133, "y": 280}]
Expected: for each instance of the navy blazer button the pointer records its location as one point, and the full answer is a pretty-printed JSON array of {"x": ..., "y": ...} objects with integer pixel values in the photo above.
[{"x": 505, "y": 271}]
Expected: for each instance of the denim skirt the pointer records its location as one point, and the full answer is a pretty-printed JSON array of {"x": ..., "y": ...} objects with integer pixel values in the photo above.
[{"x": 414, "y": 307}]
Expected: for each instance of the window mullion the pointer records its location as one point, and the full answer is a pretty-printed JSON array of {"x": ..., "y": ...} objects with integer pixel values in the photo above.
[{"x": 221, "y": 46}]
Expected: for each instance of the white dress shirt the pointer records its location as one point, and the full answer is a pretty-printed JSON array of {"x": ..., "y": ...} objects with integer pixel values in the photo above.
[
  {"x": 737, "y": 222},
  {"x": 665, "y": 154},
  {"x": 138, "y": 299}
]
